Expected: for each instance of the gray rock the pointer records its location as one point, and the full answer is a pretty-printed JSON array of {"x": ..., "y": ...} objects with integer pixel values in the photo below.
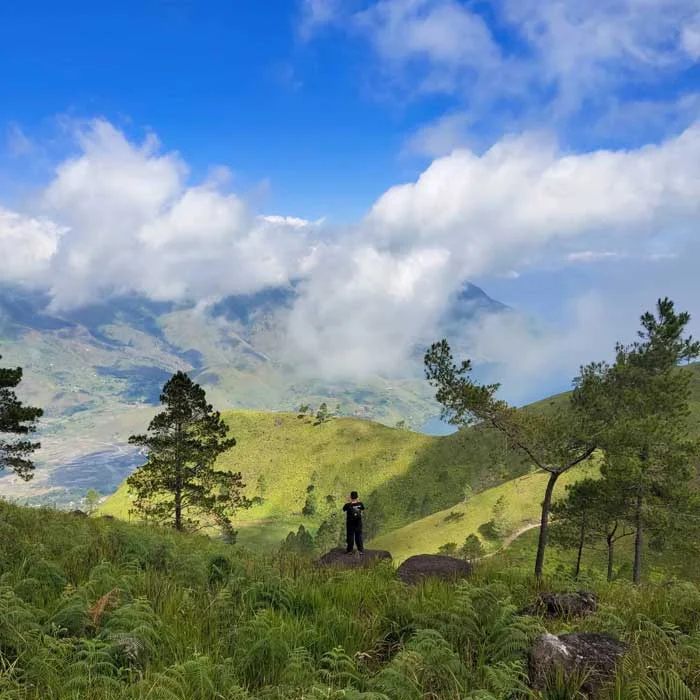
[
  {"x": 421, "y": 566},
  {"x": 596, "y": 654},
  {"x": 340, "y": 558},
  {"x": 563, "y": 604}
]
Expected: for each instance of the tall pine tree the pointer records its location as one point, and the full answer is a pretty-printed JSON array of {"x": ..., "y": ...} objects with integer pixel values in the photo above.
[
  {"x": 649, "y": 453},
  {"x": 554, "y": 441},
  {"x": 16, "y": 419},
  {"x": 178, "y": 484}
]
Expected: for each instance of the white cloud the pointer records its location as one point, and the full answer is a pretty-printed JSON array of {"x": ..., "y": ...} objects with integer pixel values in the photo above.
[
  {"x": 361, "y": 309},
  {"x": 27, "y": 246},
  {"x": 584, "y": 47},
  {"x": 131, "y": 222},
  {"x": 532, "y": 360},
  {"x": 441, "y": 137},
  {"x": 443, "y": 31},
  {"x": 690, "y": 37},
  {"x": 557, "y": 58},
  {"x": 120, "y": 217},
  {"x": 471, "y": 216},
  {"x": 318, "y": 13},
  {"x": 522, "y": 193},
  {"x": 592, "y": 255}
]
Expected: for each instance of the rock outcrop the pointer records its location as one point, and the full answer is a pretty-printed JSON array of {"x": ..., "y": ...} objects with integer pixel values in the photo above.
[
  {"x": 421, "y": 566},
  {"x": 340, "y": 558},
  {"x": 592, "y": 654},
  {"x": 563, "y": 604}
]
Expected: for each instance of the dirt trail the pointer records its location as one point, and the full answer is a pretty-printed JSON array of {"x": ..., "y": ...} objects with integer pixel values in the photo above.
[{"x": 510, "y": 539}]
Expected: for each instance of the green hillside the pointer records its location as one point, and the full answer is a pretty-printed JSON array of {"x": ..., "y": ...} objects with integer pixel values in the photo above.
[
  {"x": 401, "y": 475},
  {"x": 522, "y": 498},
  {"x": 91, "y": 608}
]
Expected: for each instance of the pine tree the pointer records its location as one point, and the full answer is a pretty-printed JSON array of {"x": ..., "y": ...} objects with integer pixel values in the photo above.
[
  {"x": 16, "y": 419},
  {"x": 583, "y": 518},
  {"x": 554, "y": 441},
  {"x": 649, "y": 454},
  {"x": 178, "y": 484}
]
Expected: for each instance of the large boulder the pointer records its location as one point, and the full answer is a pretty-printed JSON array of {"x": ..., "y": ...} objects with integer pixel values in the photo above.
[
  {"x": 563, "y": 604},
  {"x": 596, "y": 655},
  {"x": 338, "y": 557},
  {"x": 421, "y": 566}
]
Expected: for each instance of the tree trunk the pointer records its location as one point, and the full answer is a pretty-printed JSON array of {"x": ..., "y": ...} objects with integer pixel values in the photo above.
[
  {"x": 582, "y": 536},
  {"x": 178, "y": 509},
  {"x": 544, "y": 524},
  {"x": 638, "y": 541},
  {"x": 611, "y": 551},
  {"x": 178, "y": 477}
]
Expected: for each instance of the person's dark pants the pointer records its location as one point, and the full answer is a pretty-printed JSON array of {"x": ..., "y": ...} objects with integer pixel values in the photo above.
[{"x": 354, "y": 536}]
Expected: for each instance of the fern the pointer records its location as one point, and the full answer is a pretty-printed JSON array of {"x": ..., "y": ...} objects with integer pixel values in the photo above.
[
  {"x": 91, "y": 671},
  {"x": 71, "y": 616},
  {"x": 338, "y": 669},
  {"x": 428, "y": 666},
  {"x": 135, "y": 633}
]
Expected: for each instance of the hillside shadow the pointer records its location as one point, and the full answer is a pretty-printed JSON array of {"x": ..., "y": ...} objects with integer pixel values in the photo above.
[{"x": 437, "y": 476}]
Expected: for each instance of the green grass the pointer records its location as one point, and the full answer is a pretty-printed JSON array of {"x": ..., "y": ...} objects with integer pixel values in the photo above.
[
  {"x": 400, "y": 474},
  {"x": 403, "y": 477},
  {"x": 522, "y": 495},
  {"x": 99, "y": 609}
]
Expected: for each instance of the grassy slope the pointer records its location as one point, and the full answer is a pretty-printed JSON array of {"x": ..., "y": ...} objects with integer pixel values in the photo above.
[
  {"x": 402, "y": 476},
  {"x": 397, "y": 470},
  {"x": 522, "y": 496},
  {"x": 104, "y": 610}
]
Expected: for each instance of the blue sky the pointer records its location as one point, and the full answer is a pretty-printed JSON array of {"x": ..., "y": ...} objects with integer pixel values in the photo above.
[
  {"x": 316, "y": 114},
  {"x": 547, "y": 151}
]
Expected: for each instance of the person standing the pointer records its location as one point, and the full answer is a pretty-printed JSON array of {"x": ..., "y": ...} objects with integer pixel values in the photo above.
[{"x": 353, "y": 510}]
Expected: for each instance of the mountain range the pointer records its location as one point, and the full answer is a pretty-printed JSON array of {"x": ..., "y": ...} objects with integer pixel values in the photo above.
[{"x": 98, "y": 371}]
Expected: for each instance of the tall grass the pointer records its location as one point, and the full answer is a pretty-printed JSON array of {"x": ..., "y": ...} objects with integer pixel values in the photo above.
[{"x": 91, "y": 608}]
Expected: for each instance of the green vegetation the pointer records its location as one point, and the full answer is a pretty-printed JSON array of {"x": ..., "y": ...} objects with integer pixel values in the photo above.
[
  {"x": 107, "y": 610},
  {"x": 94, "y": 607},
  {"x": 401, "y": 474},
  {"x": 16, "y": 419},
  {"x": 92, "y": 369},
  {"x": 178, "y": 485},
  {"x": 635, "y": 410},
  {"x": 522, "y": 495}
]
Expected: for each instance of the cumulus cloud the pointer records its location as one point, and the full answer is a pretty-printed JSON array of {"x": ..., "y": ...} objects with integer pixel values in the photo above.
[
  {"x": 121, "y": 216},
  {"x": 27, "y": 245},
  {"x": 523, "y": 193},
  {"x": 467, "y": 216}
]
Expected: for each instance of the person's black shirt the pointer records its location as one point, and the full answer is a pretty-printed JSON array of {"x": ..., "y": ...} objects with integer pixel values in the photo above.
[{"x": 354, "y": 512}]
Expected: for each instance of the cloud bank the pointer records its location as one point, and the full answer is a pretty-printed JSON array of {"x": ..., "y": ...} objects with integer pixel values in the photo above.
[{"x": 121, "y": 216}]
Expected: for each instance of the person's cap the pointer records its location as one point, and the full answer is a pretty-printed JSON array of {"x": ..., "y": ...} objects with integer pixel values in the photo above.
[{"x": 353, "y": 494}]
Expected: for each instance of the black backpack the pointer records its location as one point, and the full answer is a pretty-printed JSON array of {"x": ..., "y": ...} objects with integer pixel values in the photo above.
[{"x": 356, "y": 511}]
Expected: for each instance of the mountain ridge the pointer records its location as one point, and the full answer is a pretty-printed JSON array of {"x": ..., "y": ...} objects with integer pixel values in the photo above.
[{"x": 99, "y": 368}]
